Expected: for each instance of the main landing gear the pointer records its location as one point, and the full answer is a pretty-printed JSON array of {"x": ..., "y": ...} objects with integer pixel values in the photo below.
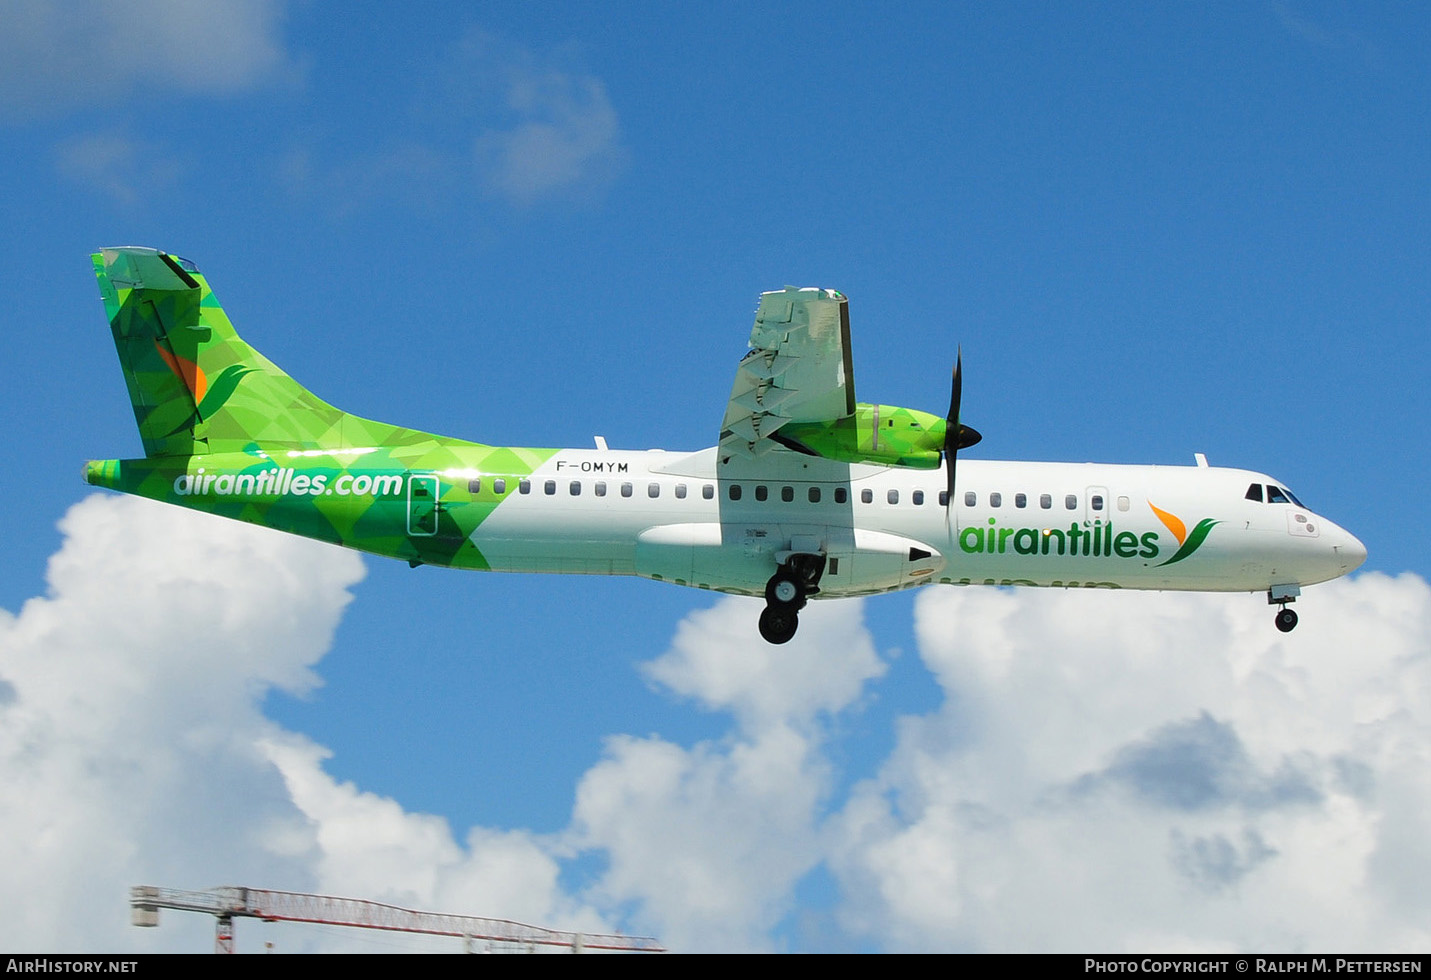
[
  {"x": 1280, "y": 596},
  {"x": 785, "y": 595}
]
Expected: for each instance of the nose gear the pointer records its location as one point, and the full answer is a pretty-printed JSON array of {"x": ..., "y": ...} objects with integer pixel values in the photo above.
[{"x": 1280, "y": 596}]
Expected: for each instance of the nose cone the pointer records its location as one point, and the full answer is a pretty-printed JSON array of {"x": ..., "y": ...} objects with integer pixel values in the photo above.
[
  {"x": 1329, "y": 553},
  {"x": 1350, "y": 552}
]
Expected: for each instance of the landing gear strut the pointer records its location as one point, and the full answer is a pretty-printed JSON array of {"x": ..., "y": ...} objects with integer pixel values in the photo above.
[
  {"x": 1280, "y": 596},
  {"x": 786, "y": 593}
]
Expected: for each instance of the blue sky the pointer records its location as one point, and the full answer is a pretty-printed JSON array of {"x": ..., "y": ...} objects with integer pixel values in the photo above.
[{"x": 1154, "y": 231}]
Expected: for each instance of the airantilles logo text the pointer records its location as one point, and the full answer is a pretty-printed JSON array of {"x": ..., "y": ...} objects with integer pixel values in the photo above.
[
  {"x": 1096, "y": 541},
  {"x": 276, "y": 482},
  {"x": 1102, "y": 539}
]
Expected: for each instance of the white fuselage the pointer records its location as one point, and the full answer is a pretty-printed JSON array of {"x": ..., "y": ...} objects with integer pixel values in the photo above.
[{"x": 684, "y": 518}]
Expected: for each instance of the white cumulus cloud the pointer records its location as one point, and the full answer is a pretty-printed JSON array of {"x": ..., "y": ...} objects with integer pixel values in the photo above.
[
  {"x": 515, "y": 124},
  {"x": 133, "y": 749},
  {"x": 1133, "y": 771},
  {"x": 709, "y": 842},
  {"x": 566, "y": 136},
  {"x": 59, "y": 54},
  {"x": 126, "y": 170},
  {"x": 717, "y": 659}
]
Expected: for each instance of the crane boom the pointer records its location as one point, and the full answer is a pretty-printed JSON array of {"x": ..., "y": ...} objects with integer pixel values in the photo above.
[{"x": 230, "y": 902}]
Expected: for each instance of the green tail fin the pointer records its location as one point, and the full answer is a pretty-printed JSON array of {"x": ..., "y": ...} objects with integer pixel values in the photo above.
[{"x": 196, "y": 387}]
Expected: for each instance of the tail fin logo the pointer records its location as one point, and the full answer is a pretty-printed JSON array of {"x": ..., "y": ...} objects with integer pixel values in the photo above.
[
  {"x": 1188, "y": 541},
  {"x": 208, "y": 398}
]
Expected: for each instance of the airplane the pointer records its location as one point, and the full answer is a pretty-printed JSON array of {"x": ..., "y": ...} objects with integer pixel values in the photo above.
[{"x": 808, "y": 494}]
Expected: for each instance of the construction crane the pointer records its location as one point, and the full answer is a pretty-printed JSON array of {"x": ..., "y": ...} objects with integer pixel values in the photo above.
[{"x": 235, "y": 902}]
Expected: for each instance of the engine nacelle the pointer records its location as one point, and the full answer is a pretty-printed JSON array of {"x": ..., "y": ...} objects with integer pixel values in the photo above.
[{"x": 886, "y": 435}]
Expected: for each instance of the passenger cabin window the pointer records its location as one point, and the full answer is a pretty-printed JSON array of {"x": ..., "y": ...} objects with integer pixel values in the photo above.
[
  {"x": 841, "y": 495},
  {"x": 474, "y": 486},
  {"x": 866, "y": 496},
  {"x": 917, "y": 497},
  {"x": 1096, "y": 501},
  {"x": 735, "y": 491},
  {"x": 549, "y": 488},
  {"x": 1045, "y": 500},
  {"x": 708, "y": 491},
  {"x": 1123, "y": 503},
  {"x": 525, "y": 486},
  {"x": 761, "y": 492},
  {"x": 1071, "y": 501},
  {"x": 499, "y": 486},
  {"x": 680, "y": 491},
  {"x": 971, "y": 499},
  {"x": 1254, "y": 492},
  {"x": 943, "y": 498},
  {"x": 653, "y": 490},
  {"x": 576, "y": 488},
  {"x": 600, "y": 488},
  {"x": 1021, "y": 500},
  {"x": 892, "y": 496},
  {"x": 814, "y": 495},
  {"x": 625, "y": 489},
  {"x": 996, "y": 500},
  {"x": 787, "y": 494}
]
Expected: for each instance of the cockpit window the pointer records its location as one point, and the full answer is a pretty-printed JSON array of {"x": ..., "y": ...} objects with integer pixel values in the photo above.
[{"x": 1275, "y": 495}]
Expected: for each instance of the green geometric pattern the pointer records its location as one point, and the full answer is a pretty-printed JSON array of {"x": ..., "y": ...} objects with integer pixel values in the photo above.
[
  {"x": 883, "y": 434},
  {"x": 227, "y": 432},
  {"x": 196, "y": 387}
]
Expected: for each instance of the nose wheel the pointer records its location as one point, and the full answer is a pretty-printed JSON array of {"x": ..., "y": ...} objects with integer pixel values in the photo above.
[
  {"x": 1280, "y": 596},
  {"x": 786, "y": 594}
]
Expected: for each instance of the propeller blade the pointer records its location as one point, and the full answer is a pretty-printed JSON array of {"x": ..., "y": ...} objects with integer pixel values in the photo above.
[{"x": 952, "y": 429}]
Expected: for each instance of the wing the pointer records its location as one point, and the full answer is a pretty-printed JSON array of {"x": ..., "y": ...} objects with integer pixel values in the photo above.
[{"x": 797, "y": 369}]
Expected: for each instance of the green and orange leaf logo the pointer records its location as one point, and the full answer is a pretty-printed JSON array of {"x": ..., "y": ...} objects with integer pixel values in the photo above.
[
  {"x": 208, "y": 398},
  {"x": 1188, "y": 541}
]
